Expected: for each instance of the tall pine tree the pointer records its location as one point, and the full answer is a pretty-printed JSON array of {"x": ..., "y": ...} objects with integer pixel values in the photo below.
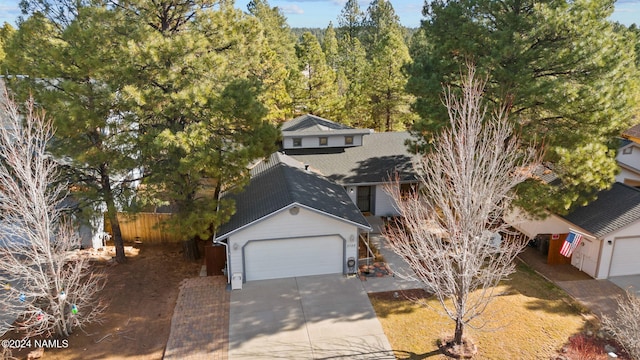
[
  {"x": 68, "y": 68},
  {"x": 388, "y": 54},
  {"x": 353, "y": 66},
  {"x": 569, "y": 76},
  {"x": 318, "y": 94},
  {"x": 279, "y": 69},
  {"x": 190, "y": 75}
]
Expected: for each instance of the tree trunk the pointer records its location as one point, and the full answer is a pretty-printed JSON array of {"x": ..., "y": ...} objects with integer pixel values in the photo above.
[
  {"x": 460, "y": 311},
  {"x": 388, "y": 112},
  {"x": 457, "y": 335},
  {"x": 190, "y": 248},
  {"x": 112, "y": 213}
]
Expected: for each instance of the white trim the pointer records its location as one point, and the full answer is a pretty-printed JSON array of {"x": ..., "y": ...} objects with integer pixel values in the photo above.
[
  {"x": 361, "y": 226},
  {"x": 628, "y": 167}
]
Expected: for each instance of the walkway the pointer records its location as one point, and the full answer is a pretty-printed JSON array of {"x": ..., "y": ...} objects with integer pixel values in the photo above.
[
  {"x": 597, "y": 295},
  {"x": 200, "y": 322},
  {"x": 402, "y": 274}
]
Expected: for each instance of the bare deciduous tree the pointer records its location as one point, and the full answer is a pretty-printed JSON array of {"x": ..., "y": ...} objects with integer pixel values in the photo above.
[
  {"x": 47, "y": 285},
  {"x": 448, "y": 228},
  {"x": 625, "y": 326}
]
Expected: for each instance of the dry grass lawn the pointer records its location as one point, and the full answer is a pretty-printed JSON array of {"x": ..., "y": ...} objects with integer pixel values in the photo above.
[{"x": 531, "y": 319}]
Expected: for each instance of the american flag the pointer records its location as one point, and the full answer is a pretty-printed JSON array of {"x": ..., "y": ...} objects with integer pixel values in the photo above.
[{"x": 570, "y": 244}]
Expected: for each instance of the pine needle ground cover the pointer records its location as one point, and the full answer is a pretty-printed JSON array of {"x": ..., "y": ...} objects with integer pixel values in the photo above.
[{"x": 531, "y": 319}]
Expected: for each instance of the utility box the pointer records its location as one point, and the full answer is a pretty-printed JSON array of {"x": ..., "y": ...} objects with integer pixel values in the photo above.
[{"x": 236, "y": 281}]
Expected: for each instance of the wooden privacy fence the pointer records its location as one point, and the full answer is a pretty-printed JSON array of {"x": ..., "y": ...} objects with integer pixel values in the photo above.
[{"x": 144, "y": 227}]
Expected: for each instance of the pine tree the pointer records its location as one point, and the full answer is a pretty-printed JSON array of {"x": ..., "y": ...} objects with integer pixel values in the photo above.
[
  {"x": 191, "y": 84},
  {"x": 570, "y": 76},
  {"x": 353, "y": 67},
  {"x": 318, "y": 94},
  {"x": 330, "y": 47},
  {"x": 389, "y": 102},
  {"x": 68, "y": 70},
  {"x": 388, "y": 54},
  {"x": 279, "y": 75}
]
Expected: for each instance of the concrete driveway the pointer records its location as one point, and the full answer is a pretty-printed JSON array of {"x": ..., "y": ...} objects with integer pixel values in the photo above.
[
  {"x": 313, "y": 317},
  {"x": 627, "y": 281}
]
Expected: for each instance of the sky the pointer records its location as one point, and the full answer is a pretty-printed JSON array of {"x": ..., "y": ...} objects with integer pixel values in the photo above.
[{"x": 318, "y": 13}]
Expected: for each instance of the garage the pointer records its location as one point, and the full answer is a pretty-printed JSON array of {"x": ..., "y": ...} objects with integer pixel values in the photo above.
[
  {"x": 282, "y": 258},
  {"x": 624, "y": 260}
]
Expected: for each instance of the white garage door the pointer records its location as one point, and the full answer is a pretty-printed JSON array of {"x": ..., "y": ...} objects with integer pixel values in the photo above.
[
  {"x": 624, "y": 261},
  {"x": 273, "y": 259}
]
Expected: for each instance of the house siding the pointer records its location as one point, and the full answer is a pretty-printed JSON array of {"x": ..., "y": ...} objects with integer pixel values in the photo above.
[
  {"x": 283, "y": 225},
  {"x": 312, "y": 142},
  {"x": 552, "y": 224},
  {"x": 585, "y": 256},
  {"x": 631, "y": 231},
  {"x": 385, "y": 205},
  {"x": 628, "y": 177},
  {"x": 631, "y": 159}
]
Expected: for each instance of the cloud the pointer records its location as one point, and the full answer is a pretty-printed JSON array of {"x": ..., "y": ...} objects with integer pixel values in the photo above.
[{"x": 291, "y": 9}]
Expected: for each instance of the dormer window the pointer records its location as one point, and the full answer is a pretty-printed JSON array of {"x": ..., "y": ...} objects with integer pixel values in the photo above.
[
  {"x": 348, "y": 140},
  {"x": 628, "y": 150},
  {"x": 324, "y": 141},
  {"x": 297, "y": 142}
]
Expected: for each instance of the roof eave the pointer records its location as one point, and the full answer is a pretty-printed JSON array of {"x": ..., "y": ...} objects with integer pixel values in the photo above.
[{"x": 293, "y": 204}]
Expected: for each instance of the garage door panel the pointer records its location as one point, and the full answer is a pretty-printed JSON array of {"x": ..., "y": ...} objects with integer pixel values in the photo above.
[
  {"x": 272, "y": 259},
  {"x": 624, "y": 260}
]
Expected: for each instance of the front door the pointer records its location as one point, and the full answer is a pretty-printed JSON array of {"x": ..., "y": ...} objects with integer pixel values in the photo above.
[{"x": 364, "y": 198}]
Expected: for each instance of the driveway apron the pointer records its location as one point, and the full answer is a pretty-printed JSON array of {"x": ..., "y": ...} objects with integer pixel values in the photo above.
[
  {"x": 312, "y": 317},
  {"x": 628, "y": 282}
]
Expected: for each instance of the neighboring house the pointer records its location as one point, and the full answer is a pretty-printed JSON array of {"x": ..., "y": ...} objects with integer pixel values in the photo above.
[
  {"x": 360, "y": 160},
  {"x": 628, "y": 159},
  {"x": 632, "y": 134},
  {"x": 310, "y": 131},
  {"x": 611, "y": 225},
  {"x": 291, "y": 222}
]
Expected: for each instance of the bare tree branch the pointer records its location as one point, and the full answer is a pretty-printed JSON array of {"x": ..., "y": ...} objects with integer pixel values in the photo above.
[
  {"x": 451, "y": 231},
  {"x": 48, "y": 286},
  {"x": 625, "y": 326}
]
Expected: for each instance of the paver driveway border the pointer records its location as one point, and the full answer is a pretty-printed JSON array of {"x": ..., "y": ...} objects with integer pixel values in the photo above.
[
  {"x": 200, "y": 322},
  {"x": 311, "y": 317}
]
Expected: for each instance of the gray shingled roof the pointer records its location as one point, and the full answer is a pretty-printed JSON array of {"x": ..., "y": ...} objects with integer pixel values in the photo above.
[
  {"x": 612, "y": 210},
  {"x": 314, "y": 125},
  {"x": 276, "y": 184},
  {"x": 310, "y": 122},
  {"x": 381, "y": 155}
]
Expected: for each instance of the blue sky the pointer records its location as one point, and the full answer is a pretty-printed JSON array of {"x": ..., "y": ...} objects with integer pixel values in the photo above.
[{"x": 318, "y": 13}]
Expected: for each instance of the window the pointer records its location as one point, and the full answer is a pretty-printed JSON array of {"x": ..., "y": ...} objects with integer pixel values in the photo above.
[
  {"x": 324, "y": 141},
  {"x": 297, "y": 142},
  {"x": 348, "y": 140},
  {"x": 628, "y": 150}
]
